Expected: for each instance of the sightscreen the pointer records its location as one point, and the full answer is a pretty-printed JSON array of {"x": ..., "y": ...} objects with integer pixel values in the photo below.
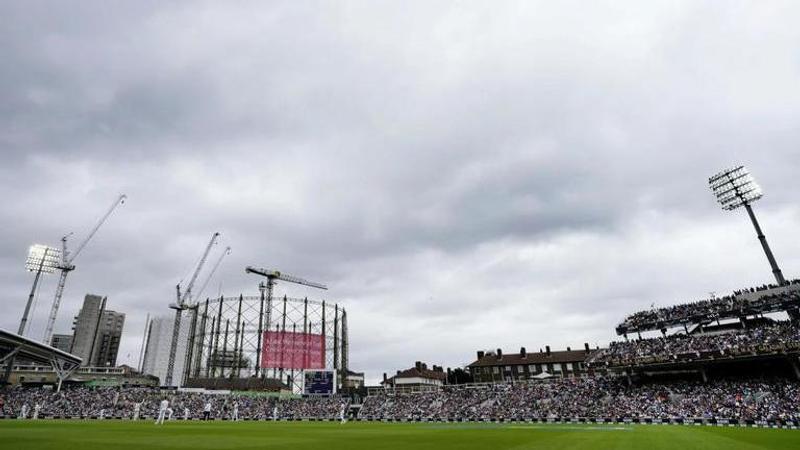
[{"x": 292, "y": 350}]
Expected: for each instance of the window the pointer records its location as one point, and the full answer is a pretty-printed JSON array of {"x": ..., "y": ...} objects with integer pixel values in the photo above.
[{"x": 495, "y": 370}]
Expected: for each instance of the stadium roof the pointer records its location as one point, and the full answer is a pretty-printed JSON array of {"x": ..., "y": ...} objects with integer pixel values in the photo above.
[{"x": 14, "y": 345}]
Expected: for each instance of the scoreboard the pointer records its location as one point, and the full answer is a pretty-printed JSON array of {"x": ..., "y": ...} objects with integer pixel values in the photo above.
[{"x": 320, "y": 382}]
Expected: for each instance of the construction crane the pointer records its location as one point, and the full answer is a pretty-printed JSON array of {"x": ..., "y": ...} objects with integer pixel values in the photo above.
[
  {"x": 66, "y": 266},
  {"x": 213, "y": 271},
  {"x": 274, "y": 275},
  {"x": 183, "y": 302},
  {"x": 193, "y": 308}
]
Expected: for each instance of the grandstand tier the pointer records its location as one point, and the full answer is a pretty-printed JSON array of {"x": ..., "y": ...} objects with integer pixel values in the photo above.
[{"x": 745, "y": 303}]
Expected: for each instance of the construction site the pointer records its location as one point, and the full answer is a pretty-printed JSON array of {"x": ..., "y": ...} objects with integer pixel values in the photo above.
[{"x": 259, "y": 341}]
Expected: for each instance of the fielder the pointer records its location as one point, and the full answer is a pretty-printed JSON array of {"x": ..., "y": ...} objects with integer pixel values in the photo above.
[
  {"x": 207, "y": 410},
  {"x": 23, "y": 412},
  {"x": 235, "y": 415},
  {"x": 162, "y": 411}
]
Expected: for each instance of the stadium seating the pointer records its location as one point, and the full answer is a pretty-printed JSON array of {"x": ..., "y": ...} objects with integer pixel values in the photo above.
[
  {"x": 120, "y": 402},
  {"x": 771, "y": 338},
  {"x": 739, "y": 304},
  {"x": 741, "y": 400}
]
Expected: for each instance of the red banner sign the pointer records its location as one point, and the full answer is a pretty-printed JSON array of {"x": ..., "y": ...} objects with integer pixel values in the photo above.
[{"x": 288, "y": 350}]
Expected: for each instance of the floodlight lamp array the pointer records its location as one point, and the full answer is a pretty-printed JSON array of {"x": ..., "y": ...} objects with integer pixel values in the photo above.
[
  {"x": 48, "y": 258},
  {"x": 734, "y": 187}
]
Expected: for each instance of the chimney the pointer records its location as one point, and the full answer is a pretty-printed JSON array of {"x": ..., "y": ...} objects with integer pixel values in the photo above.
[
  {"x": 522, "y": 352},
  {"x": 586, "y": 347},
  {"x": 424, "y": 366},
  {"x": 499, "y": 353},
  {"x": 418, "y": 365},
  {"x": 384, "y": 378},
  {"x": 569, "y": 349},
  {"x": 398, "y": 372},
  {"x": 547, "y": 349},
  {"x": 481, "y": 354}
]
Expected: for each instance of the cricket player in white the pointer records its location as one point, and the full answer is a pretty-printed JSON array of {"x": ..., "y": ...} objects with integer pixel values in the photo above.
[
  {"x": 36, "y": 409},
  {"x": 342, "y": 417},
  {"x": 185, "y": 413},
  {"x": 136, "y": 409},
  {"x": 23, "y": 412},
  {"x": 207, "y": 410},
  {"x": 235, "y": 415},
  {"x": 162, "y": 411},
  {"x": 275, "y": 413},
  {"x": 169, "y": 414}
]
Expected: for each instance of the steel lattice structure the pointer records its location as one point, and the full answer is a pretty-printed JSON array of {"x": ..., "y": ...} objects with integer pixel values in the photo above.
[{"x": 225, "y": 336}]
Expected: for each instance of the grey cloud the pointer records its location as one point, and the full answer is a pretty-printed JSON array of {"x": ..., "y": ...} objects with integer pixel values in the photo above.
[{"x": 458, "y": 165}]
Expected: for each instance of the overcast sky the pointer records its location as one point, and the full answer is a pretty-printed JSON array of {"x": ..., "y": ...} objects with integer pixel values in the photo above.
[{"x": 463, "y": 175}]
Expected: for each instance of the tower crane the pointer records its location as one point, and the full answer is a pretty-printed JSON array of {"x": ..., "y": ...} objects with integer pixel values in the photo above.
[
  {"x": 274, "y": 275},
  {"x": 66, "y": 266},
  {"x": 193, "y": 308},
  {"x": 183, "y": 301},
  {"x": 213, "y": 271}
]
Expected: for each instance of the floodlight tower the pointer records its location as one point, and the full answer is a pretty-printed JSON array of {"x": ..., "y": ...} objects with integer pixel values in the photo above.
[
  {"x": 41, "y": 259},
  {"x": 735, "y": 187}
]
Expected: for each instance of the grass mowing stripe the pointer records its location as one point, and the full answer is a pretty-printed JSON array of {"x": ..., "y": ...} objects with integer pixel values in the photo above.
[{"x": 143, "y": 435}]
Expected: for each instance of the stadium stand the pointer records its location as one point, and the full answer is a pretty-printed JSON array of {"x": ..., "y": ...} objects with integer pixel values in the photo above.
[
  {"x": 121, "y": 403},
  {"x": 772, "y": 338},
  {"x": 746, "y": 302},
  {"x": 596, "y": 398}
]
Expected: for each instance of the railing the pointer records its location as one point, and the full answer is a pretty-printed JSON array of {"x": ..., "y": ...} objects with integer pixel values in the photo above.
[{"x": 82, "y": 370}]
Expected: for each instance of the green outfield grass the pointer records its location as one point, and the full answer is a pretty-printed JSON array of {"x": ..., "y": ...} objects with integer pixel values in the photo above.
[{"x": 143, "y": 435}]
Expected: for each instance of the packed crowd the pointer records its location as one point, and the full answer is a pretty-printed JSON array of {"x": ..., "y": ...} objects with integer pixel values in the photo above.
[
  {"x": 720, "y": 307},
  {"x": 770, "y": 338},
  {"x": 744, "y": 399},
  {"x": 594, "y": 398},
  {"x": 125, "y": 402}
]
